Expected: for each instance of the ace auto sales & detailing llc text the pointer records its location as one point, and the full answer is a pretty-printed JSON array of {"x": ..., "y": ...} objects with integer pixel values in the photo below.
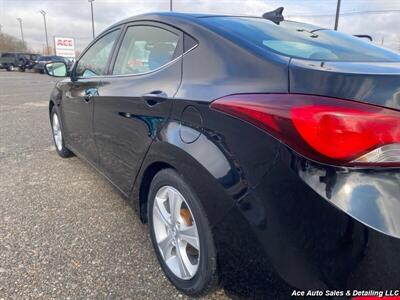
[{"x": 390, "y": 294}]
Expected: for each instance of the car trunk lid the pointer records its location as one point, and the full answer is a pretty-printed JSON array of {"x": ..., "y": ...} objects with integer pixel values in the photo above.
[{"x": 371, "y": 82}]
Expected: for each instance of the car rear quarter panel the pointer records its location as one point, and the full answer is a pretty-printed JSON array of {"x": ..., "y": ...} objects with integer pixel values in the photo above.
[
  {"x": 311, "y": 235},
  {"x": 218, "y": 67}
]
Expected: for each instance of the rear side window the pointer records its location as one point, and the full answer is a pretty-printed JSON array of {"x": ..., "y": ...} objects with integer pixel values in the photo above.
[
  {"x": 145, "y": 48},
  {"x": 301, "y": 40},
  {"x": 94, "y": 61}
]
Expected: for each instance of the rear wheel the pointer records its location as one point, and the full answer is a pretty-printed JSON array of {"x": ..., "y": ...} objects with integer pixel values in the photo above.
[
  {"x": 181, "y": 235},
  {"x": 58, "y": 135}
]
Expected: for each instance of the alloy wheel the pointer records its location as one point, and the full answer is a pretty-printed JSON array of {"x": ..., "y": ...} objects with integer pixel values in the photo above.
[
  {"x": 57, "y": 132},
  {"x": 176, "y": 232}
]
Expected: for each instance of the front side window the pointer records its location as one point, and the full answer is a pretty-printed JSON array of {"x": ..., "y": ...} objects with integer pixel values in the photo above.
[
  {"x": 94, "y": 61},
  {"x": 144, "y": 49}
]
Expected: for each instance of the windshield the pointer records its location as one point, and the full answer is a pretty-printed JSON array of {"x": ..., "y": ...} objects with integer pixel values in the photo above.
[{"x": 301, "y": 40}]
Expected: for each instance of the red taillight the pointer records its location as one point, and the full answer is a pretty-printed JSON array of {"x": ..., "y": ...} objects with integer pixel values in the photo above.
[{"x": 324, "y": 129}]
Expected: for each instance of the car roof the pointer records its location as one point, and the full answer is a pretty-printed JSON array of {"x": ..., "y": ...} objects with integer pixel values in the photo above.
[{"x": 170, "y": 17}]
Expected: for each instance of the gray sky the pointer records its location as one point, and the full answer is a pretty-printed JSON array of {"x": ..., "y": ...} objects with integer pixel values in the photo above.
[{"x": 71, "y": 18}]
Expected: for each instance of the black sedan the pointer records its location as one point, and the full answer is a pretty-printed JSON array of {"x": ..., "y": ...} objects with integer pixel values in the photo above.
[{"x": 263, "y": 153}]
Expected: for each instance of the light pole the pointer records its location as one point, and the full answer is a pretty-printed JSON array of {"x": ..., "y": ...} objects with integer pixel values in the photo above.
[
  {"x": 91, "y": 8},
  {"x": 45, "y": 30},
  {"x": 170, "y": 5},
  {"x": 337, "y": 14},
  {"x": 22, "y": 32}
]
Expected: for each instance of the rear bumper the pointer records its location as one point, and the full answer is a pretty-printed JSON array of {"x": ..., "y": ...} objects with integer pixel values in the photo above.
[{"x": 308, "y": 226}]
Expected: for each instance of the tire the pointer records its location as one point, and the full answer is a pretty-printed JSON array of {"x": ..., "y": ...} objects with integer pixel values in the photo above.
[
  {"x": 58, "y": 134},
  {"x": 205, "y": 278}
]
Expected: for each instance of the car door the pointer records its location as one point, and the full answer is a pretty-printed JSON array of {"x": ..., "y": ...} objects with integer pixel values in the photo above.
[
  {"x": 82, "y": 91},
  {"x": 135, "y": 99}
]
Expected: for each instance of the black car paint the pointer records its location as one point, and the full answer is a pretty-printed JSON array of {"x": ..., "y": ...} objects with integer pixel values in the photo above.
[
  {"x": 376, "y": 83},
  {"x": 280, "y": 221},
  {"x": 78, "y": 117},
  {"x": 114, "y": 119}
]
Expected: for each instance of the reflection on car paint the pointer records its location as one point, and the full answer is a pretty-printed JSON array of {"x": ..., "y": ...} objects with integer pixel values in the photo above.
[
  {"x": 369, "y": 197},
  {"x": 151, "y": 121}
]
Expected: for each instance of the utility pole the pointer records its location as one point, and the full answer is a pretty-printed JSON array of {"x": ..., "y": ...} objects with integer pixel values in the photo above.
[
  {"x": 91, "y": 8},
  {"x": 22, "y": 32},
  {"x": 45, "y": 30},
  {"x": 337, "y": 14},
  {"x": 170, "y": 5}
]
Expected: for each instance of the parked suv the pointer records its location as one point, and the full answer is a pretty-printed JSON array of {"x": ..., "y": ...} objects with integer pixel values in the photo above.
[{"x": 17, "y": 60}]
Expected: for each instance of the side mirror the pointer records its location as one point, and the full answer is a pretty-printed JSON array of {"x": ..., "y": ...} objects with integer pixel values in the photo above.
[{"x": 56, "y": 69}]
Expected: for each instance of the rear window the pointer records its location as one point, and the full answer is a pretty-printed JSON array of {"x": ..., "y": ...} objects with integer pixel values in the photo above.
[{"x": 301, "y": 40}]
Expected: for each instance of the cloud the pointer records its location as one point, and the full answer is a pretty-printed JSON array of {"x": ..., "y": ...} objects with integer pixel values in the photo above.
[{"x": 71, "y": 18}]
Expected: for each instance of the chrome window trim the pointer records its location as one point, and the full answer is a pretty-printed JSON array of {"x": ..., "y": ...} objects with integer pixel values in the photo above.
[{"x": 143, "y": 73}]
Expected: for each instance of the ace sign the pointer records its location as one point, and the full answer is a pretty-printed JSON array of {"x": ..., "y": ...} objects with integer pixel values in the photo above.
[{"x": 64, "y": 46}]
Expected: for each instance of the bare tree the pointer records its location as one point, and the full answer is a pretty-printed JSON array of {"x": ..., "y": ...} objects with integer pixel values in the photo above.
[{"x": 11, "y": 43}]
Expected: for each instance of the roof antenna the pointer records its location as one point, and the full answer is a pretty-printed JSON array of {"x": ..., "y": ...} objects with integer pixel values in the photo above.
[{"x": 274, "y": 16}]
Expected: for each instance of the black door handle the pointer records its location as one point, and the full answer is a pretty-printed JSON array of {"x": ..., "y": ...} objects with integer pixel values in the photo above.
[
  {"x": 155, "y": 97},
  {"x": 87, "y": 97},
  {"x": 89, "y": 93}
]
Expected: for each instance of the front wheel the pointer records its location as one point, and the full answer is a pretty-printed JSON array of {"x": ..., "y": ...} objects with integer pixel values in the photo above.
[
  {"x": 181, "y": 235},
  {"x": 58, "y": 136}
]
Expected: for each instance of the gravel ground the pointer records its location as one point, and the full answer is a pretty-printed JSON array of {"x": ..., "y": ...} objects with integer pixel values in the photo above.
[{"x": 65, "y": 233}]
